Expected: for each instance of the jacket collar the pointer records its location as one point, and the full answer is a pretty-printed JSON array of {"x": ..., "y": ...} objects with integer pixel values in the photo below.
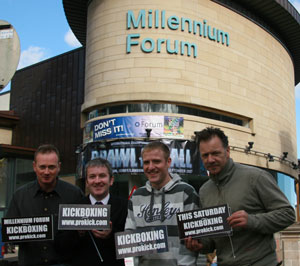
[{"x": 224, "y": 176}]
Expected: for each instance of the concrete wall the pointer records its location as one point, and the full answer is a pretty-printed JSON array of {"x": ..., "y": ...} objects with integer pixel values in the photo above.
[
  {"x": 288, "y": 245},
  {"x": 4, "y": 101},
  {"x": 5, "y": 133},
  {"x": 5, "y": 136}
]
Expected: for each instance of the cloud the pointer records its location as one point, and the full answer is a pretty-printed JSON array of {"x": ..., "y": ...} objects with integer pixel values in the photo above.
[
  {"x": 31, "y": 56},
  {"x": 71, "y": 40}
]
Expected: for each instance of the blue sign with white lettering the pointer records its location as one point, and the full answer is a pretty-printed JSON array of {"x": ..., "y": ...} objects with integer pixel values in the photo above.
[{"x": 135, "y": 126}]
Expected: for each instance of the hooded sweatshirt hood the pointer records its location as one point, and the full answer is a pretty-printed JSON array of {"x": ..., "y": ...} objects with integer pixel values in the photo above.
[{"x": 175, "y": 178}]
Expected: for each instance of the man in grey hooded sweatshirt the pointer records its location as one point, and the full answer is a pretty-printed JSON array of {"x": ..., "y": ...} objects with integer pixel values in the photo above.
[{"x": 157, "y": 203}]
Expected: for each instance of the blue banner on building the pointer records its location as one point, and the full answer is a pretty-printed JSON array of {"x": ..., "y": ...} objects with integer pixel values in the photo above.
[{"x": 134, "y": 127}]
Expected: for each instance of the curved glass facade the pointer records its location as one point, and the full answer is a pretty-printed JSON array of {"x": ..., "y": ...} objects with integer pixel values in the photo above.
[{"x": 168, "y": 108}]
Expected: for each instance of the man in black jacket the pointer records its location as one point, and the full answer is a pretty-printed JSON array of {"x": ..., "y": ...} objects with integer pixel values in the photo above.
[{"x": 81, "y": 244}]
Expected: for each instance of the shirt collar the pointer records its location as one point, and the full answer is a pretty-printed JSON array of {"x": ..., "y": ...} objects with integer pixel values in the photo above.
[
  {"x": 104, "y": 201},
  {"x": 57, "y": 189}
]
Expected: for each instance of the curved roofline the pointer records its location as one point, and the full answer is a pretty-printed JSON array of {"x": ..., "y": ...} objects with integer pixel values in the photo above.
[{"x": 279, "y": 17}]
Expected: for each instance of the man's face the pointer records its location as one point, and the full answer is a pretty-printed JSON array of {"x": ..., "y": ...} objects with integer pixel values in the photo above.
[
  {"x": 98, "y": 181},
  {"x": 156, "y": 167},
  {"x": 214, "y": 155},
  {"x": 46, "y": 166}
]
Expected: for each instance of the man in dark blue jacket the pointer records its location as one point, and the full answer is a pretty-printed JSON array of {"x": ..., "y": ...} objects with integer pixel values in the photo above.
[{"x": 81, "y": 244}]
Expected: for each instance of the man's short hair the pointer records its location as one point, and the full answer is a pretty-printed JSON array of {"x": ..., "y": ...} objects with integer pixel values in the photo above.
[
  {"x": 210, "y": 132},
  {"x": 157, "y": 145},
  {"x": 46, "y": 148},
  {"x": 99, "y": 162}
]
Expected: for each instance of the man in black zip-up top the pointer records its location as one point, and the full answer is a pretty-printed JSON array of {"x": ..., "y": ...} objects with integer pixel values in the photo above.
[{"x": 258, "y": 207}]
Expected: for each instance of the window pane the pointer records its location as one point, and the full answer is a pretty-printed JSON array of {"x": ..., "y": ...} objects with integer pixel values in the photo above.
[
  {"x": 141, "y": 107},
  {"x": 24, "y": 172},
  {"x": 3, "y": 182},
  {"x": 118, "y": 109}
]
